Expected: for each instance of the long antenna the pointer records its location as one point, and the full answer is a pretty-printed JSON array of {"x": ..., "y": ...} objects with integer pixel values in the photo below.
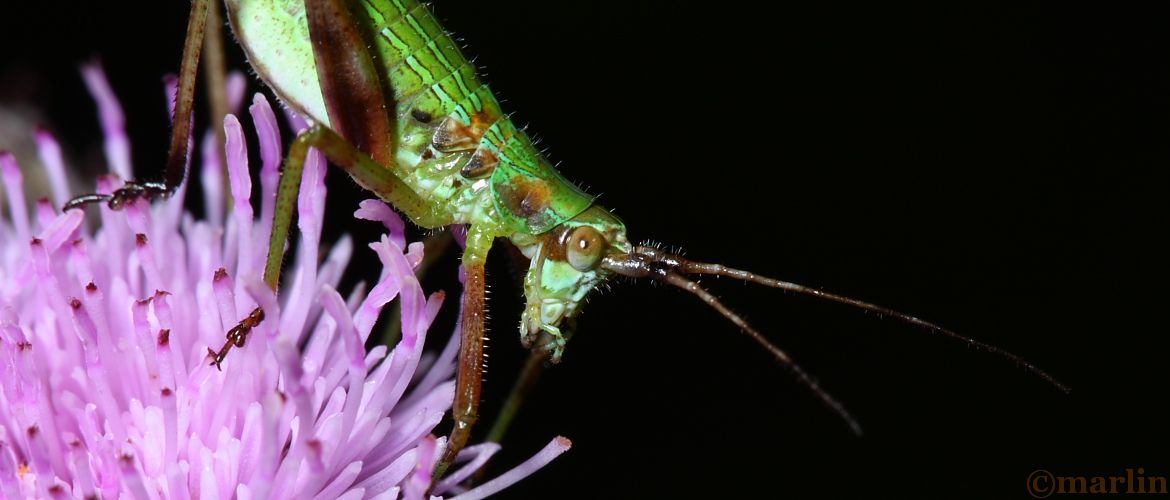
[
  {"x": 690, "y": 267},
  {"x": 781, "y": 356}
]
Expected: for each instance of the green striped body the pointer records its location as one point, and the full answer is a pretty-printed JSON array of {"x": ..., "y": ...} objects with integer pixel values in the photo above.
[{"x": 455, "y": 146}]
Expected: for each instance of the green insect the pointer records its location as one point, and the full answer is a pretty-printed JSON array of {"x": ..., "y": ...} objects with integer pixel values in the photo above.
[{"x": 395, "y": 104}]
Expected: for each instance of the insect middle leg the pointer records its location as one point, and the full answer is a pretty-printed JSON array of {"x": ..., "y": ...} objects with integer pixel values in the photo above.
[
  {"x": 368, "y": 173},
  {"x": 389, "y": 187}
]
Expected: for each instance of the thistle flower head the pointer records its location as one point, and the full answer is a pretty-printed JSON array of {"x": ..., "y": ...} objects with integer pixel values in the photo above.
[{"x": 105, "y": 386}]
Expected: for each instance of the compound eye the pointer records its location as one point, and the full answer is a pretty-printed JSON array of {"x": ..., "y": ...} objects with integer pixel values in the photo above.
[{"x": 584, "y": 248}]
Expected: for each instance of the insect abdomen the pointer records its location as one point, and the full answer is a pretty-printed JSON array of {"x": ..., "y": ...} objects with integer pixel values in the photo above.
[{"x": 425, "y": 70}]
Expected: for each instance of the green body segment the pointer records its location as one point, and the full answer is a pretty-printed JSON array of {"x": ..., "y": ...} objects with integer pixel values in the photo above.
[
  {"x": 461, "y": 157},
  {"x": 446, "y": 120}
]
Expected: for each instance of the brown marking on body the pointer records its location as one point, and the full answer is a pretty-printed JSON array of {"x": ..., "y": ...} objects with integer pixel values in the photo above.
[
  {"x": 453, "y": 135},
  {"x": 481, "y": 164},
  {"x": 554, "y": 241},
  {"x": 528, "y": 198}
]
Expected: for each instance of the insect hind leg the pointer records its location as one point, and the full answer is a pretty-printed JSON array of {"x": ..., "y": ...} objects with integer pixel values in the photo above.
[{"x": 177, "y": 153}]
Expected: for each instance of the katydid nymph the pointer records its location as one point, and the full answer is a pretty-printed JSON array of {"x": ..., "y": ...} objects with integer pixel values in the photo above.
[{"x": 395, "y": 104}]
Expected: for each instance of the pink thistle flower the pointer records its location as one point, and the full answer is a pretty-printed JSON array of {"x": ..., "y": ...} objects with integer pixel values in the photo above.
[{"x": 105, "y": 386}]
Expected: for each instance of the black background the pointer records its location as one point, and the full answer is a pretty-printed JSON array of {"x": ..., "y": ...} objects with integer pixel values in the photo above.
[{"x": 1000, "y": 170}]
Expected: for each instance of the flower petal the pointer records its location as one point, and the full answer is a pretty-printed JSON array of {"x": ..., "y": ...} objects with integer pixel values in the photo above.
[{"x": 550, "y": 451}]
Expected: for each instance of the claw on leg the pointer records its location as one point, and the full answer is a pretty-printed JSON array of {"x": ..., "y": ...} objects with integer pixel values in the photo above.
[
  {"x": 236, "y": 337},
  {"x": 129, "y": 192}
]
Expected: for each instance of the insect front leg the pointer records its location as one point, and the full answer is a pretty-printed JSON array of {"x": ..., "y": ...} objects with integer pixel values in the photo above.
[
  {"x": 469, "y": 380},
  {"x": 368, "y": 173}
]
